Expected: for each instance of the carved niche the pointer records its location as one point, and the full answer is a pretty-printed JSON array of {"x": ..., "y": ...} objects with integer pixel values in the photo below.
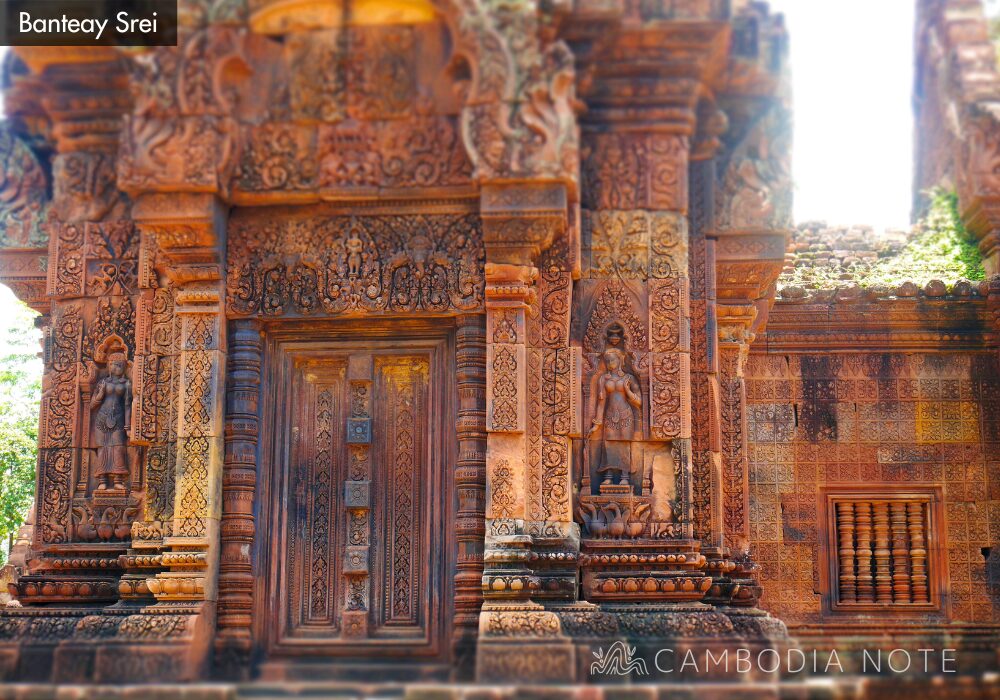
[
  {"x": 632, "y": 501},
  {"x": 108, "y": 488},
  {"x": 619, "y": 459},
  {"x": 91, "y": 474}
]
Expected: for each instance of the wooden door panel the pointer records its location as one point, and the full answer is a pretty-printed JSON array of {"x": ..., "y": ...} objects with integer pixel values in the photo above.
[
  {"x": 400, "y": 468},
  {"x": 359, "y": 458},
  {"x": 312, "y": 533}
]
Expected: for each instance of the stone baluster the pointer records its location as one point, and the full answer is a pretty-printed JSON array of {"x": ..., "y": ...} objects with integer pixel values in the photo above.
[
  {"x": 845, "y": 530},
  {"x": 900, "y": 553},
  {"x": 917, "y": 526},
  {"x": 865, "y": 582},
  {"x": 883, "y": 577}
]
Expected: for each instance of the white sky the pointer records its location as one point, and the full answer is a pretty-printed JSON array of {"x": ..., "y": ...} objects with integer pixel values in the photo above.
[
  {"x": 852, "y": 68},
  {"x": 852, "y": 73}
]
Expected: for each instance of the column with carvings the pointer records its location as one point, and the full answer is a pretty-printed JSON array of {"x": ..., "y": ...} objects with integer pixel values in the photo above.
[
  {"x": 470, "y": 482},
  {"x": 188, "y": 230},
  {"x": 176, "y": 159},
  {"x": 632, "y": 314},
  {"x": 751, "y": 217},
  {"x": 92, "y": 454},
  {"x": 239, "y": 480},
  {"x": 519, "y": 127},
  {"x": 707, "y": 511},
  {"x": 88, "y": 477},
  {"x": 531, "y": 539}
]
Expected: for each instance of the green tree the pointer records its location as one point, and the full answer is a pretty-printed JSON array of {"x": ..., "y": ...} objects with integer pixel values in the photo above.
[{"x": 20, "y": 396}]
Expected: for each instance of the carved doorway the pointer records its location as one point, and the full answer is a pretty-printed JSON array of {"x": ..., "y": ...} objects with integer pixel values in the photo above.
[{"x": 358, "y": 431}]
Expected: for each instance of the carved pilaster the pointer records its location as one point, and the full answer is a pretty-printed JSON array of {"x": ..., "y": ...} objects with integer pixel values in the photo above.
[
  {"x": 186, "y": 230},
  {"x": 470, "y": 479},
  {"x": 734, "y": 345},
  {"x": 510, "y": 294},
  {"x": 90, "y": 483},
  {"x": 239, "y": 481}
]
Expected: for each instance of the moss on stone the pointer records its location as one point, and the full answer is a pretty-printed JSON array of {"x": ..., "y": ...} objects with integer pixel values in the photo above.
[{"x": 938, "y": 248}]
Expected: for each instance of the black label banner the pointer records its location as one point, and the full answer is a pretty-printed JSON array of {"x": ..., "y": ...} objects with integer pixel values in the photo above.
[{"x": 88, "y": 22}]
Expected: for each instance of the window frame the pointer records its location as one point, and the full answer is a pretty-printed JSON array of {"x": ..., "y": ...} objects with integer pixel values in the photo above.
[{"x": 936, "y": 545}]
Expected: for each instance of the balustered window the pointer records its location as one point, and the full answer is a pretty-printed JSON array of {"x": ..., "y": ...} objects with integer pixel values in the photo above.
[{"x": 882, "y": 551}]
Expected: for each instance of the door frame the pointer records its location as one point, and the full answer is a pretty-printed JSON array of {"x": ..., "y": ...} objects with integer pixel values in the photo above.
[{"x": 281, "y": 337}]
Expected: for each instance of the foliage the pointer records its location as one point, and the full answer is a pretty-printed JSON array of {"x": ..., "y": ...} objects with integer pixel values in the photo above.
[
  {"x": 939, "y": 249},
  {"x": 20, "y": 396}
]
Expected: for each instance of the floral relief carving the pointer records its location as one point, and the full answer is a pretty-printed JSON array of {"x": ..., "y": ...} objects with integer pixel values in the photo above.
[
  {"x": 501, "y": 490},
  {"x": 634, "y": 171},
  {"x": 504, "y": 405},
  {"x": 619, "y": 243}
]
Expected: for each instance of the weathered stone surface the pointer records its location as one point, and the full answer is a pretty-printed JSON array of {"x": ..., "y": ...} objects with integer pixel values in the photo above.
[{"x": 439, "y": 341}]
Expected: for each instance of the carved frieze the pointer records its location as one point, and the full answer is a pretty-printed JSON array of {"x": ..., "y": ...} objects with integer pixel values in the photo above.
[
  {"x": 190, "y": 153},
  {"x": 309, "y": 265}
]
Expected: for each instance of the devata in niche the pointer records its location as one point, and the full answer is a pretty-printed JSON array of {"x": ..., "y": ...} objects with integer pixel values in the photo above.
[
  {"x": 112, "y": 406},
  {"x": 617, "y": 416}
]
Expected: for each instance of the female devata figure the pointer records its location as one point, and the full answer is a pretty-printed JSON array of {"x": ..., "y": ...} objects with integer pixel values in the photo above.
[
  {"x": 618, "y": 414},
  {"x": 113, "y": 401}
]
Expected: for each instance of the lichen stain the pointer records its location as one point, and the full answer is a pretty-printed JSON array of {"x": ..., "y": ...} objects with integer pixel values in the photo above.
[{"x": 817, "y": 416}]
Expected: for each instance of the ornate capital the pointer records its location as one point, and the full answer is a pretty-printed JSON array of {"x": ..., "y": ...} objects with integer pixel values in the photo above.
[{"x": 188, "y": 231}]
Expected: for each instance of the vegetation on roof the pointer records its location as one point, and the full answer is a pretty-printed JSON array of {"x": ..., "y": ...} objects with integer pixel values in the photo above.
[{"x": 938, "y": 248}]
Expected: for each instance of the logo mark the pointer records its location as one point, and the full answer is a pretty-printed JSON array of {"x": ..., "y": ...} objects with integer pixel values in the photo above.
[{"x": 619, "y": 660}]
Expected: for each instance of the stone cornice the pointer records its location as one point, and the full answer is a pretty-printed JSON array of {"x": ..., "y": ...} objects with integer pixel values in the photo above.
[
  {"x": 910, "y": 324},
  {"x": 647, "y": 74}
]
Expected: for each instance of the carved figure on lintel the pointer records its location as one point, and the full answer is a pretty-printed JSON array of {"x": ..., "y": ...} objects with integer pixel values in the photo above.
[
  {"x": 111, "y": 410},
  {"x": 355, "y": 248},
  {"x": 617, "y": 416}
]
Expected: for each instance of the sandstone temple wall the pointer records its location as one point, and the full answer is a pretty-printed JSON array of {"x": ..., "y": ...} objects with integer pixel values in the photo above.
[
  {"x": 439, "y": 340},
  {"x": 902, "y": 408}
]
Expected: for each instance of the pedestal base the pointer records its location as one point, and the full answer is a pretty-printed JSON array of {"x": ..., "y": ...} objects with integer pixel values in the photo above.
[
  {"x": 623, "y": 643},
  {"x": 115, "y": 644}
]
